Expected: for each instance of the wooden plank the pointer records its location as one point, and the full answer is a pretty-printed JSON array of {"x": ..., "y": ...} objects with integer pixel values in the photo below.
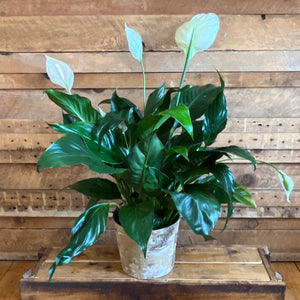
[
  {"x": 93, "y": 7},
  {"x": 249, "y": 125},
  {"x": 291, "y": 277},
  {"x": 154, "y": 80},
  {"x": 106, "y": 33},
  {"x": 56, "y": 222},
  {"x": 273, "y": 102},
  {"x": 22, "y": 156},
  {"x": 59, "y": 178},
  {"x": 155, "y": 62},
  {"x": 269, "y": 141},
  {"x": 9, "y": 287}
]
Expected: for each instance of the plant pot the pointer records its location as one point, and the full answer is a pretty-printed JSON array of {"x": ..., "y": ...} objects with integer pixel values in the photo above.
[{"x": 160, "y": 254}]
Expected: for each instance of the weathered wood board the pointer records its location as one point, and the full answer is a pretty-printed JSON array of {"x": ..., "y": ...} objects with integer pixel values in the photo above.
[
  {"x": 227, "y": 272},
  {"x": 257, "y": 52}
]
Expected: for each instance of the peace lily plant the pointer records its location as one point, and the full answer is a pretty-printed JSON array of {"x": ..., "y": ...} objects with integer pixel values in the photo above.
[{"x": 161, "y": 162}]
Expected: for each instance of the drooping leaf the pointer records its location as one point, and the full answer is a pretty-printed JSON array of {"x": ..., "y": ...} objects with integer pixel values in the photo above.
[
  {"x": 71, "y": 150},
  {"x": 60, "y": 73},
  {"x": 137, "y": 221},
  {"x": 287, "y": 183},
  {"x": 77, "y": 106},
  {"x": 224, "y": 175},
  {"x": 214, "y": 119},
  {"x": 135, "y": 43},
  {"x": 98, "y": 188},
  {"x": 200, "y": 210},
  {"x": 85, "y": 232},
  {"x": 240, "y": 152},
  {"x": 242, "y": 195},
  {"x": 198, "y": 34}
]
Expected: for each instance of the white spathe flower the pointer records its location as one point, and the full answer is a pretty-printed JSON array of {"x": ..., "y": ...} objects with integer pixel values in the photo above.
[
  {"x": 60, "y": 73},
  {"x": 287, "y": 183},
  {"x": 135, "y": 43},
  {"x": 199, "y": 33}
]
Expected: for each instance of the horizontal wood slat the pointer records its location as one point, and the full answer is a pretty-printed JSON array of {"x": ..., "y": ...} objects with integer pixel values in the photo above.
[
  {"x": 94, "y": 7},
  {"x": 263, "y": 177},
  {"x": 155, "y": 62},
  {"x": 242, "y": 102},
  {"x": 106, "y": 33}
]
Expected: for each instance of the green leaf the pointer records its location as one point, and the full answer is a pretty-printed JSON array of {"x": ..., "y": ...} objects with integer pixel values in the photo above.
[
  {"x": 77, "y": 106},
  {"x": 240, "y": 152},
  {"x": 155, "y": 100},
  {"x": 214, "y": 119},
  {"x": 198, "y": 98},
  {"x": 242, "y": 195},
  {"x": 147, "y": 153},
  {"x": 71, "y": 150},
  {"x": 98, "y": 188},
  {"x": 287, "y": 183},
  {"x": 137, "y": 221},
  {"x": 135, "y": 43},
  {"x": 82, "y": 129},
  {"x": 85, "y": 232},
  {"x": 176, "y": 151},
  {"x": 200, "y": 210},
  {"x": 224, "y": 176}
]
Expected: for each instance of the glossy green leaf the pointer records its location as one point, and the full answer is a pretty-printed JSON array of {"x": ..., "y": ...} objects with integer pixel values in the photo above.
[
  {"x": 177, "y": 151},
  {"x": 71, "y": 150},
  {"x": 147, "y": 153},
  {"x": 240, "y": 152},
  {"x": 214, "y": 119},
  {"x": 155, "y": 100},
  {"x": 85, "y": 232},
  {"x": 60, "y": 73},
  {"x": 98, "y": 188},
  {"x": 224, "y": 175},
  {"x": 200, "y": 210},
  {"x": 242, "y": 195},
  {"x": 137, "y": 221},
  {"x": 77, "y": 106},
  {"x": 80, "y": 128},
  {"x": 198, "y": 98}
]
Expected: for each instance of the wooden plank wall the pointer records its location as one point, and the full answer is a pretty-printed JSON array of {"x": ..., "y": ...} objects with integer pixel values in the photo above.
[{"x": 257, "y": 52}]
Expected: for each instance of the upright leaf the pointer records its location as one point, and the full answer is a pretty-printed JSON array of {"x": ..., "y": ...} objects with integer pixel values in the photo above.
[
  {"x": 155, "y": 100},
  {"x": 60, "y": 73},
  {"x": 85, "y": 232}
]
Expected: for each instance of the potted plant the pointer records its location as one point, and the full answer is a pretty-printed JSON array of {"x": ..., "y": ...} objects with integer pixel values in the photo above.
[{"x": 160, "y": 163}]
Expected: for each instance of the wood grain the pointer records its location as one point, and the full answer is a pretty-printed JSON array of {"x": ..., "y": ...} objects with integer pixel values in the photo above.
[
  {"x": 155, "y": 62},
  {"x": 93, "y": 7},
  {"x": 106, "y": 33}
]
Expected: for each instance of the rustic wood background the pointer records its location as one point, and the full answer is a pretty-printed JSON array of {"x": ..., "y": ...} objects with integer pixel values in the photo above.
[{"x": 257, "y": 52}]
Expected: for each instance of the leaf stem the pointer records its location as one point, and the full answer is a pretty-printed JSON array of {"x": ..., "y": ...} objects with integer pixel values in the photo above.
[{"x": 144, "y": 82}]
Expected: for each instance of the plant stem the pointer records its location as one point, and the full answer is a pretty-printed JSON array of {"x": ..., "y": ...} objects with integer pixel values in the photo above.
[
  {"x": 187, "y": 60},
  {"x": 144, "y": 81}
]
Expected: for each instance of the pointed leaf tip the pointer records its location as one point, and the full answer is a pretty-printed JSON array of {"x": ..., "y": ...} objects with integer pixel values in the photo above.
[
  {"x": 60, "y": 73},
  {"x": 287, "y": 183},
  {"x": 135, "y": 43}
]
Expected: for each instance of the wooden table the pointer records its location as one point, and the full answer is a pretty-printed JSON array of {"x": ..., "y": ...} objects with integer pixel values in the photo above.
[{"x": 200, "y": 272}]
